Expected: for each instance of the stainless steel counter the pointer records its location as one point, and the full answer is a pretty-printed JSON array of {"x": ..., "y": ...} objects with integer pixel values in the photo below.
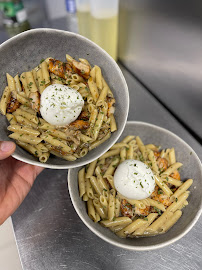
[
  {"x": 50, "y": 235},
  {"x": 161, "y": 43}
]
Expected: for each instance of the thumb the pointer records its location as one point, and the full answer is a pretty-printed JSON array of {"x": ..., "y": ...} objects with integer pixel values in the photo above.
[{"x": 6, "y": 149}]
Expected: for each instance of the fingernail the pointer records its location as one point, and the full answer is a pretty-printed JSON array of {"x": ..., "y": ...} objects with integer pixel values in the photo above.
[{"x": 7, "y": 146}]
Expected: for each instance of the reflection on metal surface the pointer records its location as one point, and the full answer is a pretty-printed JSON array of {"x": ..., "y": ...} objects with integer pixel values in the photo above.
[{"x": 161, "y": 43}]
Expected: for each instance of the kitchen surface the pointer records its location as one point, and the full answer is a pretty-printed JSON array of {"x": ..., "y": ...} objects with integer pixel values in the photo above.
[{"x": 160, "y": 57}]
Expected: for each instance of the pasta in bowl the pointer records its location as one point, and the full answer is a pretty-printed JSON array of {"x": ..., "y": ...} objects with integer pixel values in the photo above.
[
  {"x": 80, "y": 117},
  {"x": 167, "y": 214},
  {"x": 62, "y": 111}
]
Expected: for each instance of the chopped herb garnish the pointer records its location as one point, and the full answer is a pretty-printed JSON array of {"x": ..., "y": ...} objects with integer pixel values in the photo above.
[
  {"x": 157, "y": 210},
  {"x": 141, "y": 185},
  {"x": 42, "y": 83}
]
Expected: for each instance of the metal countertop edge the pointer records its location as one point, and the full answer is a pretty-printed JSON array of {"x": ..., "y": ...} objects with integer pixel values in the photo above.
[{"x": 146, "y": 87}]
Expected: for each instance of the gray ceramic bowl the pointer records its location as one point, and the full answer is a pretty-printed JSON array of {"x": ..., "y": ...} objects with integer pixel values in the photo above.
[
  {"x": 191, "y": 169},
  {"x": 24, "y": 51}
]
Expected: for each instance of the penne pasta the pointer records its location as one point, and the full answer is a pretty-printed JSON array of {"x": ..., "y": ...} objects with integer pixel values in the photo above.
[
  {"x": 24, "y": 83},
  {"x": 127, "y": 139},
  {"x": 21, "y": 129},
  {"x": 11, "y": 84},
  {"x": 99, "y": 208},
  {"x": 163, "y": 186},
  {"x": 167, "y": 225},
  {"x": 101, "y": 99},
  {"x": 111, "y": 167},
  {"x": 150, "y": 218},
  {"x": 97, "y": 143},
  {"x": 146, "y": 217},
  {"x": 27, "y": 109},
  {"x": 98, "y": 78},
  {"x": 29, "y": 116},
  {"x": 91, "y": 210},
  {"x": 82, "y": 189},
  {"x": 117, "y": 207},
  {"x": 22, "y": 120},
  {"x": 89, "y": 189},
  {"x": 50, "y": 139},
  {"x": 11, "y": 119},
  {"x": 29, "y": 148},
  {"x": 40, "y": 80},
  {"x": 111, "y": 207},
  {"x": 119, "y": 221},
  {"x": 30, "y": 82},
  {"x": 23, "y": 100},
  {"x": 172, "y": 157},
  {"x": 181, "y": 189},
  {"x": 110, "y": 153},
  {"x": 172, "y": 168},
  {"x": 17, "y": 84},
  {"x": 91, "y": 169},
  {"x": 4, "y": 100},
  {"x": 130, "y": 152},
  {"x": 45, "y": 72},
  {"x": 131, "y": 228},
  {"x": 23, "y": 95},
  {"x": 95, "y": 185},
  {"x": 68, "y": 157},
  {"x": 25, "y": 138},
  {"x": 123, "y": 154},
  {"x": 44, "y": 157},
  {"x": 113, "y": 125},
  {"x": 102, "y": 183},
  {"x": 93, "y": 89}
]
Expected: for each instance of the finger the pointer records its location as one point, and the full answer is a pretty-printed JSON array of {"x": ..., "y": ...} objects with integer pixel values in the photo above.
[
  {"x": 38, "y": 170},
  {"x": 6, "y": 149}
]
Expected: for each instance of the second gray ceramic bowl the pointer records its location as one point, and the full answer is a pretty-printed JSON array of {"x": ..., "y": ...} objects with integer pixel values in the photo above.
[
  {"x": 24, "y": 52},
  {"x": 191, "y": 169}
]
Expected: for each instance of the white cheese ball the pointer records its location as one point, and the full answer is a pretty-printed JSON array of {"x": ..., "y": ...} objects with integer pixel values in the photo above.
[
  {"x": 60, "y": 105},
  {"x": 134, "y": 180}
]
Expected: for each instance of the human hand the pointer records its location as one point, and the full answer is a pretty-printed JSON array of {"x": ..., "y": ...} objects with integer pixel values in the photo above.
[{"x": 16, "y": 180}]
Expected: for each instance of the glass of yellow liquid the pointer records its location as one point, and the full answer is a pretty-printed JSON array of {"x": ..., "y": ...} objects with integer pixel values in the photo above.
[
  {"x": 104, "y": 24},
  {"x": 83, "y": 15}
]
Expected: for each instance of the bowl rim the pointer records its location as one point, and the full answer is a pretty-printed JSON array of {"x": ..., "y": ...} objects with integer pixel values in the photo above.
[
  {"x": 143, "y": 248},
  {"x": 120, "y": 74}
]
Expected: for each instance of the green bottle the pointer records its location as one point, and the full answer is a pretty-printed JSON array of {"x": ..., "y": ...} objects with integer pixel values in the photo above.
[{"x": 14, "y": 16}]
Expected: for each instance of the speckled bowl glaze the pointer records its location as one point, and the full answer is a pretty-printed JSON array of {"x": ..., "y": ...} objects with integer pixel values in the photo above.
[
  {"x": 191, "y": 169},
  {"x": 24, "y": 51}
]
